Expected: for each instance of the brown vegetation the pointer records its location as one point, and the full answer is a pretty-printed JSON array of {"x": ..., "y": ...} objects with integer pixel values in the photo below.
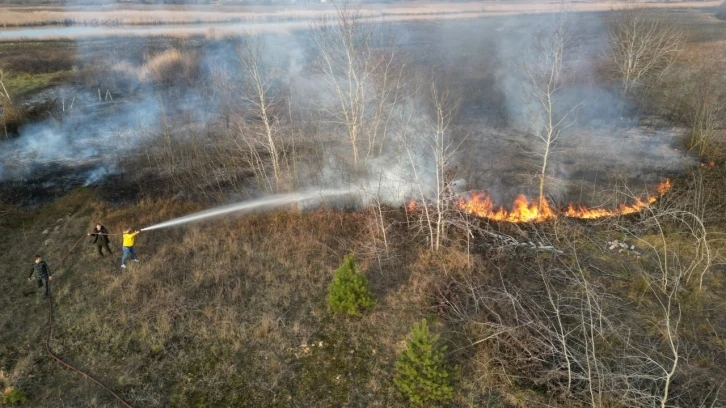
[
  {"x": 232, "y": 312},
  {"x": 701, "y": 100}
]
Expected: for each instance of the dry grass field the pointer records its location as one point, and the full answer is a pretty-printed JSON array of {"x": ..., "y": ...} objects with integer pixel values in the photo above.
[
  {"x": 623, "y": 311},
  {"x": 231, "y": 312}
]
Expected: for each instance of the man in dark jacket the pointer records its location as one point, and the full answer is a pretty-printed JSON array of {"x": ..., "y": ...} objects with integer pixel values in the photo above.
[
  {"x": 100, "y": 239},
  {"x": 42, "y": 274}
]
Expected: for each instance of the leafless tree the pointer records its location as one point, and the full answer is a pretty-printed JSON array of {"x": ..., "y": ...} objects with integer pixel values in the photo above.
[
  {"x": 643, "y": 46},
  {"x": 9, "y": 101},
  {"x": 2, "y": 84},
  {"x": 431, "y": 150},
  {"x": 258, "y": 92},
  {"x": 364, "y": 78},
  {"x": 444, "y": 150},
  {"x": 547, "y": 72},
  {"x": 673, "y": 268},
  {"x": 700, "y": 99},
  {"x": 706, "y": 121},
  {"x": 571, "y": 332}
]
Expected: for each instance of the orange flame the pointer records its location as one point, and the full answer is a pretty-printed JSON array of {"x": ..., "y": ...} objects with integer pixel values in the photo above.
[
  {"x": 411, "y": 206},
  {"x": 481, "y": 205},
  {"x": 664, "y": 187}
]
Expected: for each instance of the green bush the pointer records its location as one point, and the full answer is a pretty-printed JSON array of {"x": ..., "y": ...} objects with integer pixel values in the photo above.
[
  {"x": 349, "y": 293},
  {"x": 12, "y": 396},
  {"x": 422, "y": 375}
]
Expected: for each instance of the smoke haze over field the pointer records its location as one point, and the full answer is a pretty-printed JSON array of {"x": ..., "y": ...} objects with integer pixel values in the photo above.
[{"x": 482, "y": 62}]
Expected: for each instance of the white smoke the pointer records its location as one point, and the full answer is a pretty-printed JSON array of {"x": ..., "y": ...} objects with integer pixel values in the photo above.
[
  {"x": 101, "y": 130},
  {"x": 95, "y": 175}
]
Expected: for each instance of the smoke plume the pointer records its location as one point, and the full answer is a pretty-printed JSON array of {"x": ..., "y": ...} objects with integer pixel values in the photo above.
[{"x": 485, "y": 63}]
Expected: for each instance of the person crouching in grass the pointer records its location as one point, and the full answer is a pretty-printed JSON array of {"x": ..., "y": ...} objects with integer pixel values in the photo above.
[
  {"x": 129, "y": 241},
  {"x": 100, "y": 239}
]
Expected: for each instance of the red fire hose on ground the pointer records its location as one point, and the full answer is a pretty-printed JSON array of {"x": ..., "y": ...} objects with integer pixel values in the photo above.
[{"x": 50, "y": 335}]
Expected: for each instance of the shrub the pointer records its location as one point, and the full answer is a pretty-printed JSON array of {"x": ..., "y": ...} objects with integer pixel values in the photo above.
[
  {"x": 169, "y": 66},
  {"x": 349, "y": 293},
  {"x": 422, "y": 375},
  {"x": 12, "y": 396}
]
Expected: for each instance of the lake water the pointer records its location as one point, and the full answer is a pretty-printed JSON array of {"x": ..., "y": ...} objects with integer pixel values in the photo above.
[{"x": 55, "y": 32}]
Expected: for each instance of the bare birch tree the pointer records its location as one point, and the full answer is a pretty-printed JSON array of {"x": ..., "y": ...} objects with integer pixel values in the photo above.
[
  {"x": 365, "y": 79},
  {"x": 431, "y": 150},
  {"x": 9, "y": 102},
  {"x": 547, "y": 72},
  {"x": 671, "y": 267},
  {"x": 573, "y": 335},
  {"x": 2, "y": 85},
  {"x": 643, "y": 46},
  {"x": 701, "y": 101},
  {"x": 444, "y": 106},
  {"x": 706, "y": 120},
  {"x": 258, "y": 92}
]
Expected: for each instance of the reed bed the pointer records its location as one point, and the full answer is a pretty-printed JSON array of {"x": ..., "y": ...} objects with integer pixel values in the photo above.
[{"x": 136, "y": 15}]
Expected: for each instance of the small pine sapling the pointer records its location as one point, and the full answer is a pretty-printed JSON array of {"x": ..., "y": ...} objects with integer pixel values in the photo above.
[
  {"x": 349, "y": 293},
  {"x": 12, "y": 395},
  {"x": 422, "y": 375}
]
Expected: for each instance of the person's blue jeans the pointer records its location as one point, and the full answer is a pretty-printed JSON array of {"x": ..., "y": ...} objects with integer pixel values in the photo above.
[{"x": 126, "y": 252}]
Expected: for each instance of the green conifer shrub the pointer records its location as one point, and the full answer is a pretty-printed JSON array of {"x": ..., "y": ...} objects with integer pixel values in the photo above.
[
  {"x": 12, "y": 395},
  {"x": 422, "y": 375},
  {"x": 349, "y": 293}
]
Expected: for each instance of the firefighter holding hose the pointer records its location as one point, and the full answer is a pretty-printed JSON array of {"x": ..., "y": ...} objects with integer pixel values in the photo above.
[
  {"x": 128, "y": 241},
  {"x": 42, "y": 274},
  {"x": 100, "y": 239}
]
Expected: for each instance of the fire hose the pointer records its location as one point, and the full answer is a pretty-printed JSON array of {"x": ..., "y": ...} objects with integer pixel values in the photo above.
[{"x": 50, "y": 335}]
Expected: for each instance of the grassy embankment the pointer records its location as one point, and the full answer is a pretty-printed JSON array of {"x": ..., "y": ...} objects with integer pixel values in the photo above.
[
  {"x": 232, "y": 312},
  {"x": 229, "y": 312},
  {"x": 23, "y": 75}
]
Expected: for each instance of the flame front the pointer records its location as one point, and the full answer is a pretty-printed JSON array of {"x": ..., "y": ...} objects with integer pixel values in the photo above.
[
  {"x": 481, "y": 205},
  {"x": 411, "y": 206}
]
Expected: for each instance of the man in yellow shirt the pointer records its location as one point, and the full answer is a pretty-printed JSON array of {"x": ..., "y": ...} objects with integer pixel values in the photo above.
[{"x": 129, "y": 241}]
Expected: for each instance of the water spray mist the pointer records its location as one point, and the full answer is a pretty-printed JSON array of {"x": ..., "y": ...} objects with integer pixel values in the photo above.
[{"x": 260, "y": 203}]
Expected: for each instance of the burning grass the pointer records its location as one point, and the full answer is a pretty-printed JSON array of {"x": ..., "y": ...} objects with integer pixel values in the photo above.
[{"x": 481, "y": 205}]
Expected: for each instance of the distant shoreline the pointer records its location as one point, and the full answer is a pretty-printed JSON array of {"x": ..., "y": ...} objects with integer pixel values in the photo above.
[{"x": 134, "y": 15}]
